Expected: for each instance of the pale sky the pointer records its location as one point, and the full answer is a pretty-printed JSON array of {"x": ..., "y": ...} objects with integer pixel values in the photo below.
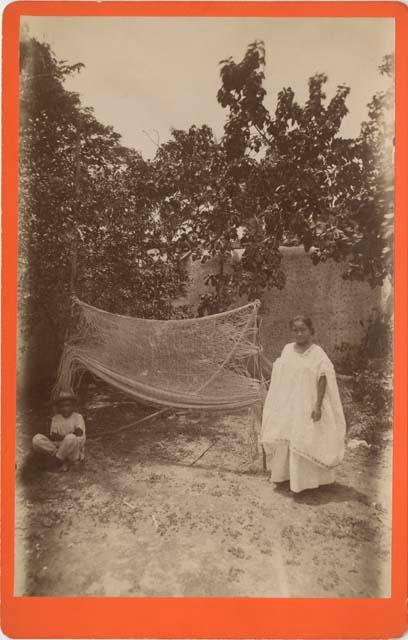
[{"x": 157, "y": 73}]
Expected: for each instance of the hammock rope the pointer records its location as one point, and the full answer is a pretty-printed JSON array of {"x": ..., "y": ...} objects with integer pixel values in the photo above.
[{"x": 209, "y": 363}]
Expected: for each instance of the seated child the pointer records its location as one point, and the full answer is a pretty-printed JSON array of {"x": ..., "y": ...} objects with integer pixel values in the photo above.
[{"x": 66, "y": 442}]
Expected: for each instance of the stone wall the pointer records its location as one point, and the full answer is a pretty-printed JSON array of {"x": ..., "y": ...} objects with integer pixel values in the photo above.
[{"x": 339, "y": 308}]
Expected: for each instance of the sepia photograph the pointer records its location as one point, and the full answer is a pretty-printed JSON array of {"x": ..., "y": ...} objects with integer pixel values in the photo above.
[{"x": 205, "y": 307}]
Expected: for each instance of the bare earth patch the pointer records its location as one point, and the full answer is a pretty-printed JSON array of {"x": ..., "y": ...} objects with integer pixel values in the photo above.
[{"x": 145, "y": 515}]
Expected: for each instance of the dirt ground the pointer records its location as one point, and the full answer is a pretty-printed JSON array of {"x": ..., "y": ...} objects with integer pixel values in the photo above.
[{"x": 145, "y": 515}]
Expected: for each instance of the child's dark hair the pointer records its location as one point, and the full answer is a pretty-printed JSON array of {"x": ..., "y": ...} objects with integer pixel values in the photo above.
[{"x": 306, "y": 321}]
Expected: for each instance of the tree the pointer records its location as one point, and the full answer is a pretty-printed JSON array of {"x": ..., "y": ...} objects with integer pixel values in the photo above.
[
  {"x": 371, "y": 255},
  {"x": 281, "y": 178},
  {"x": 97, "y": 219},
  {"x": 319, "y": 188},
  {"x": 196, "y": 213},
  {"x": 206, "y": 197},
  {"x": 84, "y": 199},
  {"x": 46, "y": 187}
]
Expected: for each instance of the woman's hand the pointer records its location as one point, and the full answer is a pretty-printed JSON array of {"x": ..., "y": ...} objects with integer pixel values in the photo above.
[{"x": 316, "y": 413}]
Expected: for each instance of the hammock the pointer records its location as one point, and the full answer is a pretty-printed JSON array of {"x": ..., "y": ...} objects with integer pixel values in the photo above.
[{"x": 207, "y": 363}]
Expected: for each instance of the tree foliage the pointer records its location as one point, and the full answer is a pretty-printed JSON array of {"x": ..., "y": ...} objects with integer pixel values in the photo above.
[
  {"x": 277, "y": 177},
  {"x": 99, "y": 220},
  {"x": 372, "y": 253},
  {"x": 325, "y": 192},
  {"x": 206, "y": 200},
  {"x": 83, "y": 195}
]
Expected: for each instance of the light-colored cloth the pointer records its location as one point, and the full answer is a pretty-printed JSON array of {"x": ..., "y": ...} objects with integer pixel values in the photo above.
[
  {"x": 302, "y": 474},
  {"x": 72, "y": 447},
  {"x": 287, "y": 414},
  {"x": 62, "y": 426}
]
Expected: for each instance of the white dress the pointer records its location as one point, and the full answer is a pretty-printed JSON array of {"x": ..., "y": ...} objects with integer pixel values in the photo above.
[{"x": 297, "y": 448}]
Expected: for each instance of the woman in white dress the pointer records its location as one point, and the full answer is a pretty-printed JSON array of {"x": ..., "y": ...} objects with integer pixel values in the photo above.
[{"x": 303, "y": 425}]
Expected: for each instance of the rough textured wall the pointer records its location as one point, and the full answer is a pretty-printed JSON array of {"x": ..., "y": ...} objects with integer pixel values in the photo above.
[{"x": 336, "y": 306}]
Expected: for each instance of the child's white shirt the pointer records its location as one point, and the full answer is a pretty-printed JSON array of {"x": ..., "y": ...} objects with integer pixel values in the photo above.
[{"x": 63, "y": 426}]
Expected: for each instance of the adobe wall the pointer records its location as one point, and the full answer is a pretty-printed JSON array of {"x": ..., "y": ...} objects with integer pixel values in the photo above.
[{"x": 337, "y": 307}]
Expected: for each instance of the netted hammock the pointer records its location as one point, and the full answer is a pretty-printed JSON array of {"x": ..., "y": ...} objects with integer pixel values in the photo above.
[{"x": 210, "y": 363}]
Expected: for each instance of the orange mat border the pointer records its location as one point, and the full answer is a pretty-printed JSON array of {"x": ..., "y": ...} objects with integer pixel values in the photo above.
[{"x": 43, "y": 617}]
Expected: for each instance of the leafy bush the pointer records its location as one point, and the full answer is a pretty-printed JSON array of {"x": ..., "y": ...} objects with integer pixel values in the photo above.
[
  {"x": 374, "y": 390},
  {"x": 370, "y": 366}
]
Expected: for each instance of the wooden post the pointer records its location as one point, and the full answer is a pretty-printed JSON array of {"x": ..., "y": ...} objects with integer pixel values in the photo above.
[
  {"x": 74, "y": 233},
  {"x": 220, "y": 288},
  {"x": 74, "y": 246},
  {"x": 265, "y": 468}
]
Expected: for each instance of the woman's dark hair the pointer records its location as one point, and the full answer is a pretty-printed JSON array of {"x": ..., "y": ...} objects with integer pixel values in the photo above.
[{"x": 306, "y": 321}]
